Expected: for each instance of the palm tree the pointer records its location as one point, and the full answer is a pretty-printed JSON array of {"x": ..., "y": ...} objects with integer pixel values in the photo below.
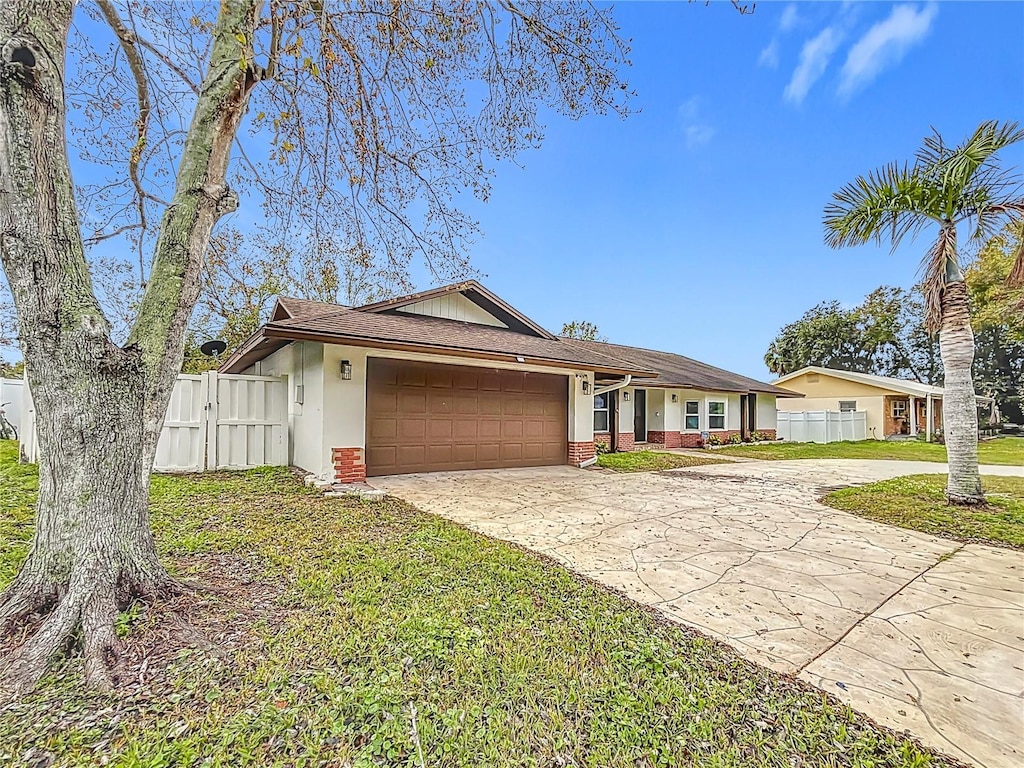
[{"x": 950, "y": 188}]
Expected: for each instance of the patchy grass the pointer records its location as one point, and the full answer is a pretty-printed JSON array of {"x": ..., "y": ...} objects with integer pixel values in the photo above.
[
  {"x": 1002, "y": 450},
  {"x": 335, "y": 620},
  {"x": 651, "y": 461},
  {"x": 917, "y": 502}
]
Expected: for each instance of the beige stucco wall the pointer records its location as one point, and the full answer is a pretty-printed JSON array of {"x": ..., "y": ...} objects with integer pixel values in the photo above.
[
  {"x": 829, "y": 386},
  {"x": 767, "y": 415},
  {"x": 663, "y": 415}
]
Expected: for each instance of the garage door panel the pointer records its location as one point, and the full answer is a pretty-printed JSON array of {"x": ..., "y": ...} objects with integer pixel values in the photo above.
[
  {"x": 426, "y": 417},
  {"x": 439, "y": 429},
  {"x": 411, "y": 376}
]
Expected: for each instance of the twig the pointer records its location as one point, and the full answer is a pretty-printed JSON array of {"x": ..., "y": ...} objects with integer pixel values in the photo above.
[{"x": 416, "y": 735}]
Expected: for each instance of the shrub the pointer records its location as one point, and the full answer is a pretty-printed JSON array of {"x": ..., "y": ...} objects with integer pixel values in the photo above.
[{"x": 735, "y": 439}]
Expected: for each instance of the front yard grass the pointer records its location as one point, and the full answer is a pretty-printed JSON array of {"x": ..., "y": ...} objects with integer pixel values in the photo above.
[
  {"x": 917, "y": 502},
  {"x": 342, "y": 632},
  {"x": 652, "y": 461},
  {"x": 1002, "y": 450}
]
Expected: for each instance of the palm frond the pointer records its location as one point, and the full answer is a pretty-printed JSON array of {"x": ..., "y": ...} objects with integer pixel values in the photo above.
[
  {"x": 956, "y": 169},
  {"x": 887, "y": 204}
]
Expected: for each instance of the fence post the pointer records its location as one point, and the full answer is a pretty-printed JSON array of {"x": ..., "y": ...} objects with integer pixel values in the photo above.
[{"x": 209, "y": 390}]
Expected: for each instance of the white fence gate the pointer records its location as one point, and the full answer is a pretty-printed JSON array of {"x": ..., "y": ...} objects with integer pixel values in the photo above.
[
  {"x": 10, "y": 400},
  {"x": 822, "y": 426},
  {"x": 215, "y": 421}
]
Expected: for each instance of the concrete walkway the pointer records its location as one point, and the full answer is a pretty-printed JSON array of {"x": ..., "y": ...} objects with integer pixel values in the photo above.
[{"x": 918, "y": 632}]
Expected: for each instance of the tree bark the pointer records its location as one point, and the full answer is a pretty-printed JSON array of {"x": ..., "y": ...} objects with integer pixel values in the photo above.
[
  {"x": 99, "y": 407},
  {"x": 959, "y": 407}
]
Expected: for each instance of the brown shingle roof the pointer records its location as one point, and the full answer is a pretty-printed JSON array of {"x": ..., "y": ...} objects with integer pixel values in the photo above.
[
  {"x": 678, "y": 371},
  {"x": 349, "y": 326}
]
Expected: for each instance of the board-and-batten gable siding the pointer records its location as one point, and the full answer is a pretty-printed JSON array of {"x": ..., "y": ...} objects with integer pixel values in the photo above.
[
  {"x": 827, "y": 386},
  {"x": 454, "y": 306}
]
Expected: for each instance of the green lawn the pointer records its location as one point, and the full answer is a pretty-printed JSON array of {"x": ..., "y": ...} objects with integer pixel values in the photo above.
[
  {"x": 334, "y": 620},
  {"x": 651, "y": 461},
  {"x": 917, "y": 502},
  {"x": 1003, "y": 450}
]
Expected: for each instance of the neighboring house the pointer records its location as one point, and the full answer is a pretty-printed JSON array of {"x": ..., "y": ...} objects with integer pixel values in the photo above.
[
  {"x": 455, "y": 378},
  {"x": 893, "y": 406}
]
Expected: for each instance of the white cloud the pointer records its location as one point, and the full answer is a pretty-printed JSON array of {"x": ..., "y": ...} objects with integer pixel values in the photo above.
[
  {"x": 790, "y": 18},
  {"x": 696, "y": 131},
  {"x": 814, "y": 58},
  {"x": 770, "y": 55},
  {"x": 885, "y": 45}
]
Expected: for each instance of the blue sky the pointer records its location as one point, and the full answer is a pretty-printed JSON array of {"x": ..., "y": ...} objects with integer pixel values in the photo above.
[{"x": 694, "y": 226}]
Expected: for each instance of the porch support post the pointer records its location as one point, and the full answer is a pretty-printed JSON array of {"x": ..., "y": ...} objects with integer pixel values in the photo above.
[
  {"x": 913, "y": 416},
  {"x": 928, "y": 417}
]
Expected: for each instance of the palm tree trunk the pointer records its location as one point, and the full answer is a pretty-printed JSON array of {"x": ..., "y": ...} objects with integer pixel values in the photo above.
[{"x": 959, "y": 408}]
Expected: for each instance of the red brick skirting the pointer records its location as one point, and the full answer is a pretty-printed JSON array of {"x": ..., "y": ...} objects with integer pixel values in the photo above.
[
  {"x": 349, "y": 465},
  {"x": 689, "y": 440},
  {"x": 580, "y": 452},
  {"x": 626, "y": 442},
  {"x": 664, "y": 439},
  {"x": 603, "y": 438}
]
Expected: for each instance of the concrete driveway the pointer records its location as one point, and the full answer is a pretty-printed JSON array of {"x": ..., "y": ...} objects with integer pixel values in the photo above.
[{"x": 918, "y": 632}]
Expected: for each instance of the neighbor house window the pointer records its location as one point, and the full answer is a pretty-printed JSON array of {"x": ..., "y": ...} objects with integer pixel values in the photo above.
[
  {"x": 601, "y": 420},
  {"x": 692, "y": 415},
  {"x": 846, "y": 406},
  {"x": 899, "y": 409},
  {"x": 716, "y": 414}
]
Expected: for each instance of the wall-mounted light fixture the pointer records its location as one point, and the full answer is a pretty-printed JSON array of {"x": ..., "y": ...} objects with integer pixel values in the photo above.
[
  {"x": 625, "y": 396},
  {"x": 346, "y": 370},
  {"x": 675, "y": 398},
  {"x": 586, "y": 385}
]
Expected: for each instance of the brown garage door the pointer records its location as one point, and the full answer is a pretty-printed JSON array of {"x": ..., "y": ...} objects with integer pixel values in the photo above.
[{"x": 423, "y": 417}]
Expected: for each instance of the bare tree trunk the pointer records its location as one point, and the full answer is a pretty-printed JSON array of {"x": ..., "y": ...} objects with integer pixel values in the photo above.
[
  {"x": 959, "y": 407},
  {"x": 99, "y": 407}
]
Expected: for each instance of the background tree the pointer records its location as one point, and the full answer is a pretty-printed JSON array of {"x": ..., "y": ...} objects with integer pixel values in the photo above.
[
  {"x": 950, "y": 188},
  {"x": 582, "y": 329},
  {"x": 367, "y": 118},
  {"x": 884, "y": 335},
  {"x": 997, "y": 318}
]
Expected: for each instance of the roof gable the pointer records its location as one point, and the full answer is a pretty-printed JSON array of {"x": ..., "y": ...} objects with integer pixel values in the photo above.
[
  {"x": 491, "y": 304},
  {"x": 883, "y": 383}
]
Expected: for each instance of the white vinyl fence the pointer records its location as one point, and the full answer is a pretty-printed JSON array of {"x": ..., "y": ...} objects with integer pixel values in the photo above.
[
  {"x": 822, "y": 426},
  {"x": 215, "y": 421},
  {"x": 10, "y": 400}
]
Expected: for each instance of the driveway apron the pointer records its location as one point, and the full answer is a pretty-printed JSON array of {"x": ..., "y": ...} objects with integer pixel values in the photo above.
[{"x": 918, "y": 632}]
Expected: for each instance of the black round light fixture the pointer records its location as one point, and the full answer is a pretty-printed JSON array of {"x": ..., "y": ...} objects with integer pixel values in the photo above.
[{"x": 213, "y": 347}]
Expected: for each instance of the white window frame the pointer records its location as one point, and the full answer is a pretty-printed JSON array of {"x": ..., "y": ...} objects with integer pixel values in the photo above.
[
  {"x": 606, "y": 410},
  {"x": 696, "y": 413},
  {"x": 847, "y": 402},
  {"x": 904, "y": 406},
  {"x": 724, "y": 414}
]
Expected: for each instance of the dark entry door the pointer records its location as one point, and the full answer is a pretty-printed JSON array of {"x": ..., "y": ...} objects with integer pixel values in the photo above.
[{"x": 640, "y": 415}]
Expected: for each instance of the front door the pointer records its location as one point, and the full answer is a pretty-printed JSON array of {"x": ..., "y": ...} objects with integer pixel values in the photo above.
[{"x": 640, "y": 415}]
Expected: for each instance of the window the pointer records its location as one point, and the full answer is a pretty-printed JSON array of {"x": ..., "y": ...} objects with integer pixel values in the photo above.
[
  {"x": 846, "y": 406},
  {"x": 716, "y": 414},
  {"x": 692, "y": 415},
  {"x": 601, "y": 405},
  {"x": 899, "y": 409}
]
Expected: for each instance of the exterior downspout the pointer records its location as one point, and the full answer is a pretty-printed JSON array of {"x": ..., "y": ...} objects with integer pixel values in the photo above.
[{"x": 612, "y": 387}]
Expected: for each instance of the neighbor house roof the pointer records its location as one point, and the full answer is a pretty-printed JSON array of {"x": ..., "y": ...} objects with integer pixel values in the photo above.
[
  {"x": 360, "y": 327},
  {"x": 678, "y": 371},
  {"x": 915, "y": 388}
]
